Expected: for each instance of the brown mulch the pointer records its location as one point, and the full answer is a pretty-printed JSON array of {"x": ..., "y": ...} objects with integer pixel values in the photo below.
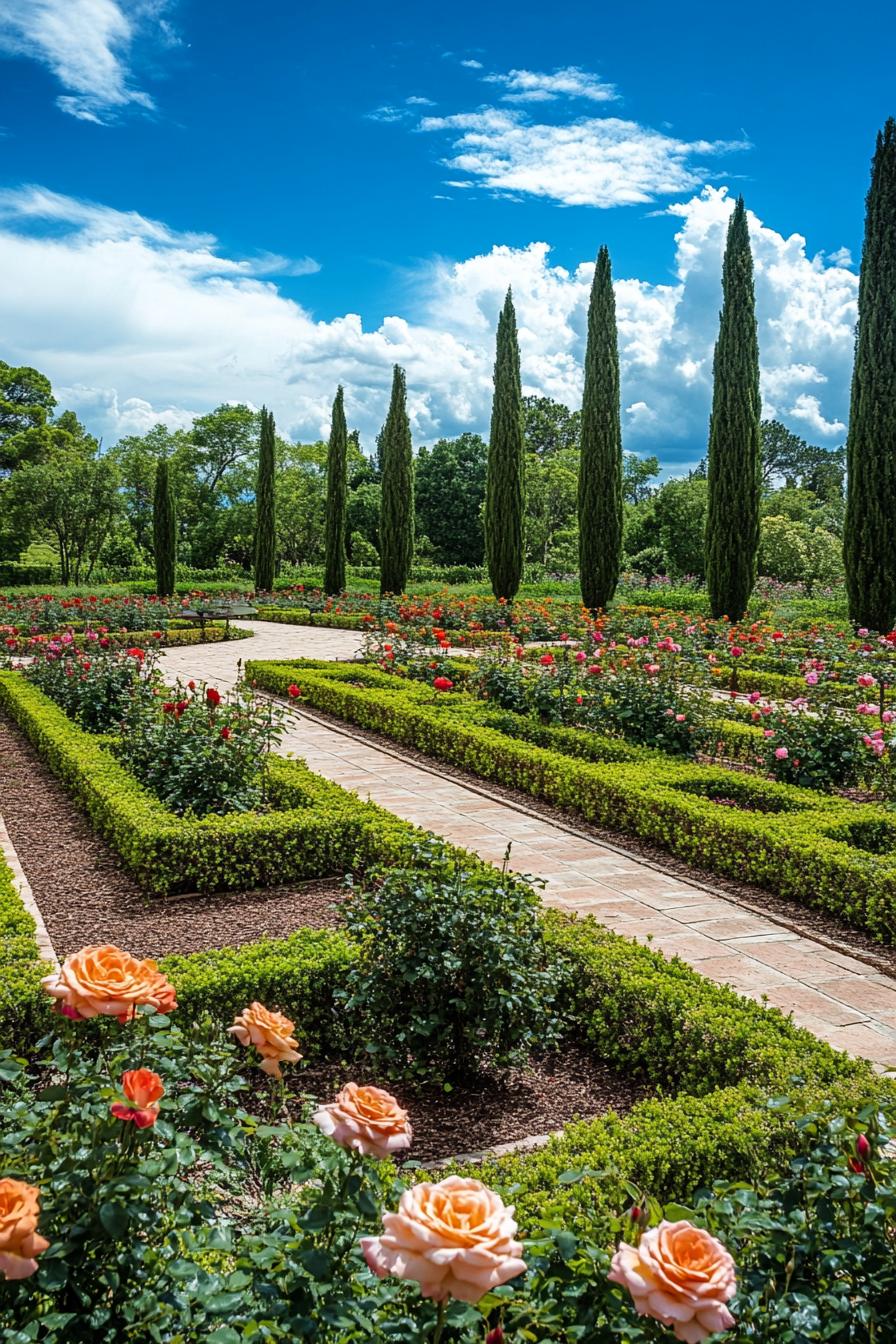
[
  {"x": 802, "y": 919},
  {"x": 497, "y": 1108},
  {"x": 86, "y": 896}
]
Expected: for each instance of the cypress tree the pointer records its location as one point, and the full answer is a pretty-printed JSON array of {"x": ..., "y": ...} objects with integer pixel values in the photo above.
[
  {"x": 869, "y": 539},
  {"x": 397, "y": 502},
  {"x": 504, "y": 487},
  {"x": 334, "y": 532},
  {"x": 600, "y": 463},
  {"x": 734, "y": 471},
  {"x": 164, "y": 534},
  {"x": 265, "y": 516}
]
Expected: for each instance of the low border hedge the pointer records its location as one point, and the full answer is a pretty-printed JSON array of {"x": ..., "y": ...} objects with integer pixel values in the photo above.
[
  {"x": 21, "y": 967},
  {"x": 315, "y": 827},
  {"x": 821, "y": 850}
]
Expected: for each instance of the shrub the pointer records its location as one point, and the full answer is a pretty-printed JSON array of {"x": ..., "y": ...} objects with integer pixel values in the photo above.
[
  {"x": 818, "y": 749},
  {"x": 96, "y": 687},
  {"x": 452, "y": 973}
]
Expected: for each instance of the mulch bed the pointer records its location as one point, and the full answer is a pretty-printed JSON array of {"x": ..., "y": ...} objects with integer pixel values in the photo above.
[
  {"x": 85, "y": 895},
  {"x": 498, "y": 1108},
  {"x": 810, "y": 923}
]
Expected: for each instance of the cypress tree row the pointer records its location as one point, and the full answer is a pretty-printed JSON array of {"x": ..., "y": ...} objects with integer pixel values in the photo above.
[
  {"x": 504, "y": 487},
  {"x": 397, "y": 506},
  {"x": 600, "y": 465},
  {"x": 265, "y": 517},
  {"x": 869, "y": 539},
  {"x": 734, "y": 474},
  {"x": 334, "y": 531},
  {"x": 164, "y": 533}
]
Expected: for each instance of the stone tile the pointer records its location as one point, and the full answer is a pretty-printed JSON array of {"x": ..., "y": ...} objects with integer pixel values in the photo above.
[
  {"x": 803, "y": 1001},
  {"x": 874, "y": 995},
  {"x": 742, "y": 973}
]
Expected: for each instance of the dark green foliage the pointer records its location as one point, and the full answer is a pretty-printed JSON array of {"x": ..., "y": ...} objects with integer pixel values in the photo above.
[
  {"x": 466, "y": 950},
  {"x": 504, "y": 482},
  {"x": 397, "y": 507},
  {"x": 265, "y": 512},
  {"x": 735, "y": 458},
  {"x": 869, "y": 543},
  {"x": 449, "y": 488},
  {"x": 600, "y": 467},
  {"x": 164, "y": 531},
  {"x": 334, "y": 531}
]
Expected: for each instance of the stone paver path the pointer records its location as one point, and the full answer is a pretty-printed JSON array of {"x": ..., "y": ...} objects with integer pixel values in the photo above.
[{"x": 839, "y": 997}]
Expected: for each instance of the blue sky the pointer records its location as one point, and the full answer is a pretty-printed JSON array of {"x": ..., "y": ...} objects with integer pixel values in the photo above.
[{"x": 230, "y": 202}]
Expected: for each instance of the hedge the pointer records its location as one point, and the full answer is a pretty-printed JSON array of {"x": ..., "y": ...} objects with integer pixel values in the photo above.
[
  {"x": 823, "y": 851},
  {"x": 21, "y": 967},
  {"x": 315, "y": 828}
]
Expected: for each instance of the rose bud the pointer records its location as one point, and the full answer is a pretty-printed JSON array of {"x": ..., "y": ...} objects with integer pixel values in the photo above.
[{"x": 863, "y": 1148}]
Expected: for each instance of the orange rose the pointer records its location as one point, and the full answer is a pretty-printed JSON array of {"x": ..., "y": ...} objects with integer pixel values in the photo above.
[
  {"x": 271, "y": 1034},
  {"x": 144, "y": 1090},
  {"x": 681, "y": 1276},
  {"x": 19, "y": 1239},
  {"x": 366, "y": 1119},
  {"x": 106, "y": 981},
  {"x": 456, "y": 1239}
]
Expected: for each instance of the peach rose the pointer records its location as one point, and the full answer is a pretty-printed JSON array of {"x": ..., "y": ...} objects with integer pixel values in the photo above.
[
  {"x": 271, "y": 1034},
  {"x": 104, "y": 980},
  {"x": 455, "y": 1238},
  {"x": 19, "y": 1239},
  {"x": 681, "y": 1276},
  {"x": 366, "y": 1119},
  {"x": 144, "y": 1091}
]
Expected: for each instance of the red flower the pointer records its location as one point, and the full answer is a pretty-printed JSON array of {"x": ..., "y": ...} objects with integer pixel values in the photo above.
[
  {"x": 137, "y": 653},
  {"x": 168, "y": 707},
  {"x": 181, "y": 706},
  {"x": 225, "y": 734},
  {"x": 144, "y": 1090},
  {"x": 546, "y": 659},
  {"x": 212, "y": 696},
  {"x": 191, "y": 685},
  {"x": 293, "y": 691},
  {"x": 443, "y": 684}
]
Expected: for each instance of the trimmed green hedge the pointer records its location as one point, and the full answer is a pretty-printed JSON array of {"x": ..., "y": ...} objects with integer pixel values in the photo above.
[
  {"x": 334, "y": 620},
  {"x": 315, "y": 827},
  {"x": 821, "y": 850},
  {"x": 21, "y": 968}
]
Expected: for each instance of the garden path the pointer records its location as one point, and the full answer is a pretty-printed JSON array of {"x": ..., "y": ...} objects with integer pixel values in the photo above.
[{"x": 841, "y": 998}]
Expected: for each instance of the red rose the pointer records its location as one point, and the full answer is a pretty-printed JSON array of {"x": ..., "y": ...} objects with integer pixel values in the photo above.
[
  {"x": 443, "y": 684},
  {"x": 212, "y": 696},
  {"x": 293, "y": 691},
  {"x": 225, "y": 734},
  {"x": 168, "y": 707}
]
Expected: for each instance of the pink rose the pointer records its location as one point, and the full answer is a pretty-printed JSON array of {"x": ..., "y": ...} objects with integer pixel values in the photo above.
[
  {"x": 681, "y": 1276},
  {"x": 365, "y": 1119},
  {"x": 781, "y": 753},
  {"x": 811, "y": 678},
  {"x": 865, "y": 680},
  {"x": 455, "y": 1238}
]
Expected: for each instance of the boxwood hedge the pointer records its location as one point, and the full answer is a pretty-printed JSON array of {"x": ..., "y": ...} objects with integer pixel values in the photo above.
[{"x": 823, "y": 851}]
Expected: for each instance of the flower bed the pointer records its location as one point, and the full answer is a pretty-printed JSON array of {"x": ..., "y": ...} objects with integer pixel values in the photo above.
[{"x": 792, "y": 840}]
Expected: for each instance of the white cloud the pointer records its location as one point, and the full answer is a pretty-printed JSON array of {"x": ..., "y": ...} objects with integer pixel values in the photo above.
[
  {"x": 136, "y": 322},
  {"x": 87, "y": 45},
  {"x": 388, "y": 113},
  {"x": 469, "y": 64},
  {"x": 529, "y": 86},
  {"x": 590, "y": 161},
  {"x": 416, "y": 101}
]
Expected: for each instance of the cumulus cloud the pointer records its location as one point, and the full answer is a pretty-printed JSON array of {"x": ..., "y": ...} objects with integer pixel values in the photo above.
[
  {"x": 137, "y": 323},
  {"x": 530, "y": 86},
  {"x": 598, "y": 161},
  {"x": 88, "y": 46}
]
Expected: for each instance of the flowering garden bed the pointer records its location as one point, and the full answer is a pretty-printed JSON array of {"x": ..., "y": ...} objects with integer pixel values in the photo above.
[{"x": 804, "y": 849}]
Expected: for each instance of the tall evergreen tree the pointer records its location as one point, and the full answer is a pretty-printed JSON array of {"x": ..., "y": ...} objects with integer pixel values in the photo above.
[
  {"x": 869, "y": 540},
  {"x": 397, "y": 507},
  {"x": 734, "y": 470},
  {"x": 504, "y": 488},
  {"x": 164, "y": 531},
  {"x": 600, "y": 462},
  {"x": 265, "y": 512},
  {"x": 337, "y": 489}
]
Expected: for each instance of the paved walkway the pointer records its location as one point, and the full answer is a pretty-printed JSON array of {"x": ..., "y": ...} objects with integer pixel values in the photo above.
[{"x": 839, "y": 997}]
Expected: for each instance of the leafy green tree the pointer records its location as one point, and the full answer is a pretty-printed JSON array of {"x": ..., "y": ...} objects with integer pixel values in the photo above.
[
  {"x": 505, "y": 484},
  {"x": 26, "y": 403},
  {"x": 869, "y": 543},
  {"x": 397, "y": 509},
  {"x": 679, "y": 510},
  {"x": 600, "y": 469},
  {"x": 637, "y": 475},
  {"x": 363, "y": 514},
  {"x": 551, "y": 489},
  {"x": 334, "y": 545},
  {"x": 71, "y": 497},
  {"x": 734, "y": 470},
  {"x": 301, "y": 504},
  {"x": 266, "y": 506},
  {"x": 164, "y": 531},
  {"x": 449, "y": 492},
  {"x": 137, "y": 457},
  {"x": 549, "y": 426},
  {"x": 802, "y": 465}
]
